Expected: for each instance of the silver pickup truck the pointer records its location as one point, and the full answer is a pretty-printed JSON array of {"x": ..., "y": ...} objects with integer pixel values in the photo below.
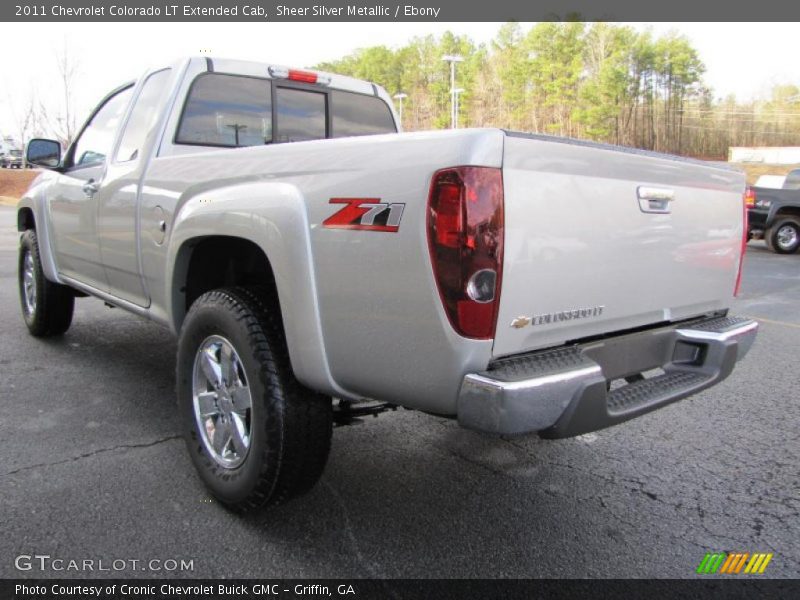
[{"x": 519, "y": 283}]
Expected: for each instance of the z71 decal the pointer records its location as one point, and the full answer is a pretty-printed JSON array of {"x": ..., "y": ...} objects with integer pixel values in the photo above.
[{"x": 367, "y": 214}]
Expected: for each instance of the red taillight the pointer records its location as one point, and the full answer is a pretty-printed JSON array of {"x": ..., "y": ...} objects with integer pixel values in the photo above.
[
  {"x": 749, "y": 193},
  {"x": 465, "y": 236},
  {"x": 449, "y": 217},
  {"x": 749, "y": 197}
]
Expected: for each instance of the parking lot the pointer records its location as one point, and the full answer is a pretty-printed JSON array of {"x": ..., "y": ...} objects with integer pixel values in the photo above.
[{"x": 93, "y": 468}]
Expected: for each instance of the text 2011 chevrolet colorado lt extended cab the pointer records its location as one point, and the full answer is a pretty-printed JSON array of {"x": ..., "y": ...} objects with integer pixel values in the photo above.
[{"x": 519, "y": 283}]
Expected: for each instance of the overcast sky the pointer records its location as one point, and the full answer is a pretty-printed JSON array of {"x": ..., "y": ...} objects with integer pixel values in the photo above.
[{"x": 745, "y": 59}]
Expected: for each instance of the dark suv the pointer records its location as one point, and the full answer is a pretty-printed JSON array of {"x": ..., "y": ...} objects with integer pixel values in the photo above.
[{"x": 775, "y": 214}]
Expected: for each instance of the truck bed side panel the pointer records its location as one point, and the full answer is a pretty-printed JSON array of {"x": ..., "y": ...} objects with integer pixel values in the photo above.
[{"x": 383, "y": 327}]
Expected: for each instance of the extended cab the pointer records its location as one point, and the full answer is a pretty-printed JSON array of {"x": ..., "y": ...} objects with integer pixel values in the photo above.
[
  {"x": 774, "y": 214},
  {"x": 317, "y": 265}
]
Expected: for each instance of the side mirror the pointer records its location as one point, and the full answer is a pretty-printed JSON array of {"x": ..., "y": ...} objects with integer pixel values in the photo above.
[{"x": 43, "y": 153}]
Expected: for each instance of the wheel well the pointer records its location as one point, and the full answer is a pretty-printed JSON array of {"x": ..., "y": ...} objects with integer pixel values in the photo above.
[
  {"x": 25, "y": 220},
  {"x": 789, "y": 211},
  {"x": 208, "y": 263}
]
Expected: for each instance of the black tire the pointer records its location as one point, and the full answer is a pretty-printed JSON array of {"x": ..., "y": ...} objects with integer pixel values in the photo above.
[
  {"x": 290, "y": 425},
  {"x": 51, "y": 312},
  {"x": 776, "y": 235}
]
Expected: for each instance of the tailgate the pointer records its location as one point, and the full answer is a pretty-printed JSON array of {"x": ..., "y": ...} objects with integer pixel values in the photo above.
[{"x": 601, "y": 239}]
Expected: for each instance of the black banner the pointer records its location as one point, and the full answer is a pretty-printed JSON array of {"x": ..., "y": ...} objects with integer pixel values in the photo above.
[
  {"x": 367, "y": 589},
  {"x": 406, "y": 11}
]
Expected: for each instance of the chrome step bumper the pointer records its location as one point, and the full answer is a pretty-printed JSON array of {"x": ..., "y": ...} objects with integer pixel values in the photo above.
[{"x": 566, "y": 391}]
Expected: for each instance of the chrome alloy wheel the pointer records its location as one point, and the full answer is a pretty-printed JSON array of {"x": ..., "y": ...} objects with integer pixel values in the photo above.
[
  {"x": 29, "y": 283},
  {"x": 786, "y": 237},
  {"x": 222, "y": 402}
]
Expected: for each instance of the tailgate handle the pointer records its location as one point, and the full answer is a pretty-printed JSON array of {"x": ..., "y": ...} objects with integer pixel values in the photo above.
[{"x": 655, "y": 200}]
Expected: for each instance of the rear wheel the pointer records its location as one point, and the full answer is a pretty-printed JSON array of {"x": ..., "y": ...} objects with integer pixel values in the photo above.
[
  {"x": 47, "y": 307},
  {"x": 256, "y": 436},
  {"x": 784, "y": 236}
]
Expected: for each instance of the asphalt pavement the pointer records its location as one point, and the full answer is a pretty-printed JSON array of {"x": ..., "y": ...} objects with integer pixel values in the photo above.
[{"x": 93, "y": 468}]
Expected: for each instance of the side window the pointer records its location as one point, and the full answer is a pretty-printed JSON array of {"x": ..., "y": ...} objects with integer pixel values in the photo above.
[
  {"x": 95, "y": 142},
  {"x": 227, "y": 110},
  {"x": 357, "y": 114},
  {"x": 143, "y": 116},
  {"x": 300, "y": 115}
]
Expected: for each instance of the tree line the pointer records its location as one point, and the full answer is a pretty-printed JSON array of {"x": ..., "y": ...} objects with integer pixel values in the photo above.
[{"x": 601, "y": 81}]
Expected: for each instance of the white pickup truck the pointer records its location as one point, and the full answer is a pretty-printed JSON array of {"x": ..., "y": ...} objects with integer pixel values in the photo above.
[{"x": 519, "y": 283}]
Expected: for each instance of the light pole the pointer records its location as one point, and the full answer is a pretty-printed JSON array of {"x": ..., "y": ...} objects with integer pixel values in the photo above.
[
  {"x": 236, "y": 129},
  {"x": 400, "y": 97},
  {"x": 453, "y": 59},
  {"x": 458, "y": 92}
]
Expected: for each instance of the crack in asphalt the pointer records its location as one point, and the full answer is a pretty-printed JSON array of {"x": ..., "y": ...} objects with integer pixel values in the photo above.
[
  {"x": 348, "y": 527},
  {"x": 91, "y": 454},
  {"x": 640, "y": 488}
]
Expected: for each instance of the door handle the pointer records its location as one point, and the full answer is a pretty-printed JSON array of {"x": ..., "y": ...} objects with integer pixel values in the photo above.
[
  {"x": 90, "y": 188},
  {"x": 655, "y": 200}
]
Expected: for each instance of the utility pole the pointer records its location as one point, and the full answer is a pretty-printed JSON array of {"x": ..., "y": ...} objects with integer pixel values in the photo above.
[
  {"x": 453, "y": 59},
  {"x": 400, "y": 96}
]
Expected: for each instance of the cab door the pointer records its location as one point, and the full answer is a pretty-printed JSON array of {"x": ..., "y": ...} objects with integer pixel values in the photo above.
[
  {"x": 118, "y": 196},
  {"x": 73, "y": 197}
]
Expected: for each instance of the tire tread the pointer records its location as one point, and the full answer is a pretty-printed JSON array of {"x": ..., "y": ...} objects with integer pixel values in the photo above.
[
  {"x": 306, "y": 424},
  {"x": 770, "y": 234},
  {"x": 55, "y": 303}
]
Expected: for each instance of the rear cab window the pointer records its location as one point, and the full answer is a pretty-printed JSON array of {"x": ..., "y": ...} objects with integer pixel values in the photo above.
[
  {"x": 792, "y": 181},
  {"x": 357, "y": 114},
  {"x": 233, "y": 111},
  {"x": 300, "y": 115}
]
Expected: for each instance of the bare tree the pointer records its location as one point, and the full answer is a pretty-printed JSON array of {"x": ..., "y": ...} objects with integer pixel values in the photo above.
[
  {"x": 26, "y": 118},
  {"x": 68, "y": 69},
  {"x": 29, "y": 119},
  {"x": 62, "y": 122}
]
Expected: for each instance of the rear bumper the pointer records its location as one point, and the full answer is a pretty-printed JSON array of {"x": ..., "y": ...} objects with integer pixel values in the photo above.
[{"x": 567, "y": 391}]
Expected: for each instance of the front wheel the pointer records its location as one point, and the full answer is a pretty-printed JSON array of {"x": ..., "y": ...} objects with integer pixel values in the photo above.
[
  {"x": 784, "y": 236},
  {"x": 256, "y": 436},
  {"x": 47, "y": 307}
]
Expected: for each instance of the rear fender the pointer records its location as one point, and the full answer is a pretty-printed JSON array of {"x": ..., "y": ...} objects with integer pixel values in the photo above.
[{"x": 273, "y": 216}]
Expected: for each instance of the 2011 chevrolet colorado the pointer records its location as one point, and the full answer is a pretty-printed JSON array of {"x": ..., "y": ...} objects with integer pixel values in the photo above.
[{"x": 519, "y": 283}]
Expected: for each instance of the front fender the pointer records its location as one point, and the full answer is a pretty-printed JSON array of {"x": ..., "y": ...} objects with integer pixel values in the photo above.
[
  {"x": 35, "y": 199},
  {"x": 274, "y": 217}
]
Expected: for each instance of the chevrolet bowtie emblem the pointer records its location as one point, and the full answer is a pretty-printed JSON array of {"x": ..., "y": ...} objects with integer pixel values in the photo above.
[{"x": 521, "y": 322}]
